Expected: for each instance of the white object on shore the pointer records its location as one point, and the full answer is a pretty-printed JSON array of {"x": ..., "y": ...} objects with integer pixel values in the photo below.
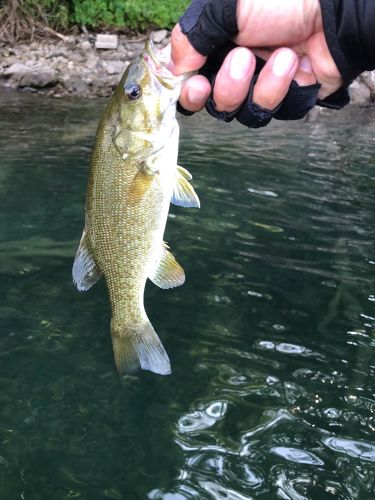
[{"x": 106, "y": 42}]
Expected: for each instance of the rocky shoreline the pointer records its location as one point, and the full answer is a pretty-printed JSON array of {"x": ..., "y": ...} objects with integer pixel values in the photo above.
[
  {"x": 84, "y": 66},
  {"x": 72, "y": 65}
]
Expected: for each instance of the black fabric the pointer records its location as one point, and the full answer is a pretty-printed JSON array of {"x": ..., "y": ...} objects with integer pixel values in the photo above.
[
  {"x": 253, "y": 116},
  {"x": 337, "y": 100},
  {"x": 349, "y": 28},
  {"x": 298, "y": 101},
  {"x": 209, "y": 24},
  {"x": 184, "y": 111}
]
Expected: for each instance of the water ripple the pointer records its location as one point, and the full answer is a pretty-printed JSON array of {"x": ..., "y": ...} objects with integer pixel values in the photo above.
[{"x": 271, "y": 339}]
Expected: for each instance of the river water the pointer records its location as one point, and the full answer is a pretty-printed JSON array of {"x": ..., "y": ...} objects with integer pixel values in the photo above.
[{"x": 271, "y": 339}]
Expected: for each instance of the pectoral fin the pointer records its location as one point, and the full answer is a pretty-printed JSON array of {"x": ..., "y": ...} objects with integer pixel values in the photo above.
[
  {"x": 185, "y": 173},
  {"x": 140, "y": 185},
  {"x": 85, "y": 272},
  {"x": 183, "y": 192},
  {"x": 167, "y": 272}
]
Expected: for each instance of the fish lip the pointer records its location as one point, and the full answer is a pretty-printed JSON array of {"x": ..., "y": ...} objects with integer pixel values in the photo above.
[{"x": 160, "y": 69}]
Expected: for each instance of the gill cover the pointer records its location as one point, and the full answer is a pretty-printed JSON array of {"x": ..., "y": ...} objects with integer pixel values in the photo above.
[{"x": 143, "y": 106}]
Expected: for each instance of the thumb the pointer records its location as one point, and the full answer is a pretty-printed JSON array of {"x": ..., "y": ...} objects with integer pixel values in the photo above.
[{"x": 184, "y": 57}]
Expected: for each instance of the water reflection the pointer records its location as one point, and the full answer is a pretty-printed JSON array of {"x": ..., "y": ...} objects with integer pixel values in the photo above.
[{"x": 271, "y": 339}]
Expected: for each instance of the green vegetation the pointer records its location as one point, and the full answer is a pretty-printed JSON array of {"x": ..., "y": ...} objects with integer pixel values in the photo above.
[
  {"x": 21, "y": 19},
  {"x": 133, "y": 14}
]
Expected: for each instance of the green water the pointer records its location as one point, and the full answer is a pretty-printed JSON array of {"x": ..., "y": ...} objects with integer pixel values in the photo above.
[{"x": 271, "y": 339}]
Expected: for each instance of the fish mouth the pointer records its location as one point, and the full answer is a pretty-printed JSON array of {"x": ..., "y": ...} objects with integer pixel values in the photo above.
[{"x": 159, "y": 68}]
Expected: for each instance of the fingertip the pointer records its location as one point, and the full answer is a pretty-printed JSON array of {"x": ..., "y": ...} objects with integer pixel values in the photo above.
[
  {"x": 284, "y": 63},
  {"x": 275, "y": 78},
  {"x": 242, "y": 63},
  {"x": 233, "y": 79},
  {"x": 195, "y": 93}
]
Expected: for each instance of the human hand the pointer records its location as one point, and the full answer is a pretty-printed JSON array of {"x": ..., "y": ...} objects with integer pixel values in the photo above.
[{"x": 288, "y": 35}]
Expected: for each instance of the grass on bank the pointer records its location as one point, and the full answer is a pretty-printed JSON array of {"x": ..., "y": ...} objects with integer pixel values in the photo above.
[{"x": 26, "y": 19}]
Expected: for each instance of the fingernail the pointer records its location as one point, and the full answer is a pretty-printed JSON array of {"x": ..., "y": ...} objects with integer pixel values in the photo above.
[
  {"x": 283, "y": 62},
  {"x": 196, "y": 95},
  {"x": 240, "y": 64},
  {"x": 305, "y": 64}
]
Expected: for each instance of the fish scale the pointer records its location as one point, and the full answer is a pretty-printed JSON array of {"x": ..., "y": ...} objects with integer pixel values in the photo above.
[{"x": 133, "y": 178}]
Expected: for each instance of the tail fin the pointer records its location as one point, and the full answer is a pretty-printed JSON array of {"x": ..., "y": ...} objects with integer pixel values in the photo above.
[{"x": 140, "y": 348}]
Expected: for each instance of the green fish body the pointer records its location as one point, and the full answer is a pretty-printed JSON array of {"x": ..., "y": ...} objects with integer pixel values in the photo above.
[{"x": 133, "y": 178}]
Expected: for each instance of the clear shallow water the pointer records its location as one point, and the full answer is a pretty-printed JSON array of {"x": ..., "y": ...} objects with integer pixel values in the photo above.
[{"x": 272, "y": 338}]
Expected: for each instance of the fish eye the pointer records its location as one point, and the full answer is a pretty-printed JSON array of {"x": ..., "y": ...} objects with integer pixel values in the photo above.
[{"x": 133, "y": 91}]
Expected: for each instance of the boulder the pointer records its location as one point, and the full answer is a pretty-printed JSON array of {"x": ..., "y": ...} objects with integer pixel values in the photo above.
[
  {"x": 85, "y": 45},
  {"x": 158, "y": 36},
  {"x": 39, "y": 78},
  {"x": 75, "y": 84},
  {"x": 114, "y": 67},
  {"x": 58, "y": 52},
  {"x": 359, "y": 93},
  {"x": 91, "y": 61},
  {"x": 368, "y": 78},
  {"x": 16, "y": 68}
]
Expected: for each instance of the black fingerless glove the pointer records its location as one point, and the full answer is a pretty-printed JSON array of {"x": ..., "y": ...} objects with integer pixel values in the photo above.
[
  {"x": 350, "y": 32},
  {"x": 349, "y": 28},
  {"x": 210, "y": 24}
]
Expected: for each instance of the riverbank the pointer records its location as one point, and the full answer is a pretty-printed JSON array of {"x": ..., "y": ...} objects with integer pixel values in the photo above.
[{"x": 80, "y": 66}]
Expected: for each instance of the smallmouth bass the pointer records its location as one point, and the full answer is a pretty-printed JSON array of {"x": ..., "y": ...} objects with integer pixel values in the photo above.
[{"x": 133, "y": 178}]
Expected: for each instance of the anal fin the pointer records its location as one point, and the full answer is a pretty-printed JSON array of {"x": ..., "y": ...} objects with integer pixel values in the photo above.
[
  {"x": 166, "y": 272},
  {"x": 85, "y": 271}
]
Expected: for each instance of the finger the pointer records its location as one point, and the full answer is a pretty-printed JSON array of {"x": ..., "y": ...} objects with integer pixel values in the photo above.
[
  {"x": 194, "y": 93},
  {"x": 184, "y": 57},
  {"x": 233, "y": 79},
  {"x": 305, "y": 75},
  {"x": 275, "y": 78}
]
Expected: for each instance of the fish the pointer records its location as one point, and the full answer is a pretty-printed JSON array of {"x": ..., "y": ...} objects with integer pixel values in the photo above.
[{"x": 133, "y": 178}]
